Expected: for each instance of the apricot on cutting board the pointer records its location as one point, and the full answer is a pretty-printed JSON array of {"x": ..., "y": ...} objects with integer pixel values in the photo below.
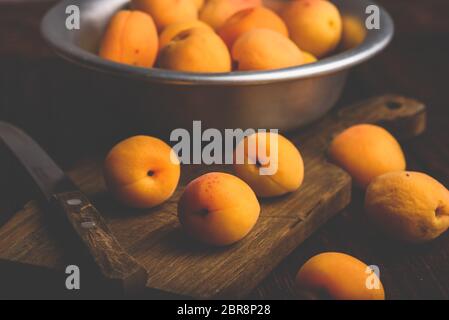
[
  {"x": 314, "y": 25},
  {"x": 275, "y": 153},
  {"x": 339, "y": 276},
  {"x": 367, "y": 151},
  {"x": 263, "y": 49},
  {"x": 248, "y": 19},
  {"x": 218, "y": 209},
  {"x": 166, "y": 12},
  {"x": 172, "y": 30},
  {"x": 196, "y": 50},
  {"x": 142, "y": 171},
  {"x": 216, "y": 12},
  {"x": 410, "y": 206},
  {"x": 130, "y": 38}
]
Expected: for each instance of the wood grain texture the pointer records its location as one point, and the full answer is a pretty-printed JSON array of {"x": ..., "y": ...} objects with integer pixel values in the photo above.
[{"x": 179, "y": 265}]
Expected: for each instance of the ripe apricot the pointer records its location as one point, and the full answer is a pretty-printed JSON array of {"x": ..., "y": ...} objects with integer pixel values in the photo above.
[
  {"x": 269, "y": 151},
  {"x": 339, "y": 276},
  {"x": 218, "y": 209},
  {"x": 216, "y": 12},
  {"x": 142, "y": 171},
  {"x": 172, "y": 30},
  {"x": 199, "y": 3},
  {"x": 166, "y": 12},
  {"x": 410, "y": 206},
  {"x": 275, "y": 5},
  {"x": 263, "y": 49},
  {"x": 354, "y": 32},
  {"x": 196, "y": 50},
  {"x": 309, "y": 58},
  {"x": 130, "y": 38},
  {"x": 314, "y": 25},
  {"x": 366, "y": 151},
  {"x": 248, "y": 19}
]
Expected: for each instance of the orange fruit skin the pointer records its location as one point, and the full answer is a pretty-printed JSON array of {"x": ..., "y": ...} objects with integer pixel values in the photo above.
[
  {"x": 172, "y": 30},
  {"x": 289, "y": 175},
  {"x": 264, "y": 49},
  {"x": 275, "y": 5},
  {"x": 130, "y": 38},
  {"x": 366, "y": 151},
  {"x": 216, "y": 12},
  {"x": 338, "y": 276},
  {"x": 354, "y": 32},
  {"x": 198, "y": 3},
  {"x": 409, "y": 206},
  {"x": 196, "y": 50},
  {"x": 166, "y": 12},
  {"x": 314, "y": 25},
  {"x": 142, "y": 172},
  {"x": 218, "y": 209},
  {"x": 309, "y": 58},
  {"x": 248, "y": 19}
]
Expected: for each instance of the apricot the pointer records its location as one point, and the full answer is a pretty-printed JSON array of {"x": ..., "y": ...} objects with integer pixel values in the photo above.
[
  {"x": 216, "y": 12},
  {"x": 354, "y": 32},
  {"x": 166, "y": 12},
  {"x": 309, "y": 58},
  {"x": 172, "y": 30},
  {"x": 339, "y": 276},
  {"x": 314, "y": 25},
  {"x": 263, "y": 49},
  {"x": 199, "y": 3},
  {"x": 275, "y": 5},
  {"x": 248, "y": 19},
  {"x": 218, "y": 209},
  {"x": 410, "y": 206},
  {"x": 130, "y": 38},
  {"x": 273, "y": 152},
  {"x": 196, "y": 50},
  {"x": 142, "y": 171},
  {"x": 366, "y": 151}
]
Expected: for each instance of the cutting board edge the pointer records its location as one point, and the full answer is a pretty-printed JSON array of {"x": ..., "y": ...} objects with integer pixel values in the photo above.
[{"x": 340, "y": 199}]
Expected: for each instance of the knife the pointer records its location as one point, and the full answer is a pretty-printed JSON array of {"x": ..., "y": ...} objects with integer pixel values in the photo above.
[{"x": 115, "y": 264}]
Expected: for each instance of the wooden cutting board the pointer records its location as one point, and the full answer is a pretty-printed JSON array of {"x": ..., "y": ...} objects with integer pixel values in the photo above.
[{"x": 178, "y": 265}]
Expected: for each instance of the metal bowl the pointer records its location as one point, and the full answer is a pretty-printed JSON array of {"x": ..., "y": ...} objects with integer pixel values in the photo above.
[{"x": 284, "y": 99}]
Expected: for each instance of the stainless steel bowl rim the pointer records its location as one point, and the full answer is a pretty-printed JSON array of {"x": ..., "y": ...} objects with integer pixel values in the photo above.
[{"x": 373, "y": 44}]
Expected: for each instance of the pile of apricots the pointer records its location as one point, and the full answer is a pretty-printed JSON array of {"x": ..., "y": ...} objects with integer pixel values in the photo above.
[
  {"x": 218, "y": 36},
  {"x": 220, "y": 209}
]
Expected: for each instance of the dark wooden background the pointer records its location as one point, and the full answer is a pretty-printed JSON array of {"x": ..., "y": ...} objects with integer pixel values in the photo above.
[{"x": 33, "y": 82}]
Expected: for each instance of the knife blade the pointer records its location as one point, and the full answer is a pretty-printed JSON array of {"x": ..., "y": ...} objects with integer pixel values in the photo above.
[{"x": 114, "y": 263}]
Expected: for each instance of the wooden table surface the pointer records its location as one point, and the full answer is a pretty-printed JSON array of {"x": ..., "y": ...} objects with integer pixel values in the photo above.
[{"x": 415, "y": 65}]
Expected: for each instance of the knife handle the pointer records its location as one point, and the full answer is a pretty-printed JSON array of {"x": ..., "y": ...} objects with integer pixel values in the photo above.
[{"x": 115, "y": 264}]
